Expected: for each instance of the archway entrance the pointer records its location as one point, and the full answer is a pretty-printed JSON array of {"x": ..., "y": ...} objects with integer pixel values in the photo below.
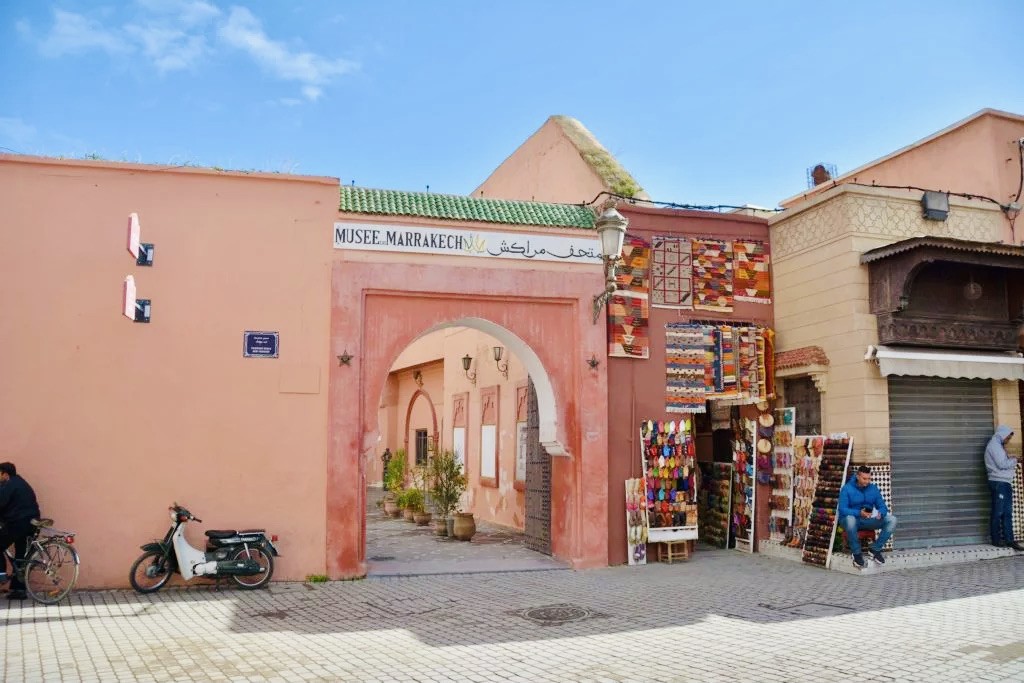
[
  {"x": 480, "y": 393},
  {"x": 540, "y": 316}
]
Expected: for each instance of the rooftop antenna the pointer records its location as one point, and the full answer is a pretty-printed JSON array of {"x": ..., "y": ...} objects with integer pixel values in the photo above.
[{"x": 428, "y": 188}]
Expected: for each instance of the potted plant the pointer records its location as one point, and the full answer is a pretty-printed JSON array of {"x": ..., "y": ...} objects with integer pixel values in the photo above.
[
  {"x": 413, "y": 504},
  {"x": 447, "y": 484},
  {"x": 464, "y": 527},
  {"x": 394, "y": 479}
]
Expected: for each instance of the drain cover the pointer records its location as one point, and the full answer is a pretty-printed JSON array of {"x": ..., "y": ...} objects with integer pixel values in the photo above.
[
  {"x": 556, "y": 615},
  {"x": 381, "y": 558},
  {"x": 276, "y": 614},
  {"x": 816, "y": 609}
]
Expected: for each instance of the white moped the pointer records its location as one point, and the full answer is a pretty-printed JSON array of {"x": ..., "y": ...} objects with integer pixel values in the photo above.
[{"x": 246, "y": 556}]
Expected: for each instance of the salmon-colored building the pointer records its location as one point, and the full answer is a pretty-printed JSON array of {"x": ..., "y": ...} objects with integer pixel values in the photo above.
[{"x": 112, "y": 420}]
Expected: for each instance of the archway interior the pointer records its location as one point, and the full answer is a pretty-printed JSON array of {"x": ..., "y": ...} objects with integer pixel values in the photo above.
[{"x": 430, "y": 403}]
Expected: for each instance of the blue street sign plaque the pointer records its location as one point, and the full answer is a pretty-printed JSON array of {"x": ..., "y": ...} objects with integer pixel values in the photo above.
[{"x": 260, "y": 345}]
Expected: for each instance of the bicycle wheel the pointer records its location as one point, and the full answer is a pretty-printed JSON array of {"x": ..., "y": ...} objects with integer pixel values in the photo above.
[
  {"x": 51, "y": 572},
  {"x": 155, "y": 572},
  {"x": 263, "y": 559}
]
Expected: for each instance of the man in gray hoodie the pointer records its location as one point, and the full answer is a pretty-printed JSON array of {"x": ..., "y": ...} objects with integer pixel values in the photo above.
[{"x": 1001, "y": 471}]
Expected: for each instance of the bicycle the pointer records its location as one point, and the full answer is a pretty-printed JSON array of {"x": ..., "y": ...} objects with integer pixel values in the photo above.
[{"x": 49, "y": 569}]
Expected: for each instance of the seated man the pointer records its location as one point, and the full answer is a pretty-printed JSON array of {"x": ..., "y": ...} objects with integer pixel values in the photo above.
[{"x": 861, "y": 507}]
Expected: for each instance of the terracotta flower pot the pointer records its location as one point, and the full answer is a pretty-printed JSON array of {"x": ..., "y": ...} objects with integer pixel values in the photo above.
[
  {"x": 409, "y": 514},
  {"x": 441, "y": 526},
  {"x": 391, "y": 509},
  {"x": 465, "y": 526},
  {"x": 422, "y": 518}
]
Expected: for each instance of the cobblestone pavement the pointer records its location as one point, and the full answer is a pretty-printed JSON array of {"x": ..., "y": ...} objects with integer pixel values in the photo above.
[
  {"x": 395, "y": 547},
  {"x": 722, "y": 616}
]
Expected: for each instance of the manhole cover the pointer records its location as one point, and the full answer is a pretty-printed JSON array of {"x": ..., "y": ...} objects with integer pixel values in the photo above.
[
  {"x": 277, "y": 614},
  {"x": 816, "y": 609},
  {"x": 381, "y": 558},
  {"x": 556, "y": 615}
]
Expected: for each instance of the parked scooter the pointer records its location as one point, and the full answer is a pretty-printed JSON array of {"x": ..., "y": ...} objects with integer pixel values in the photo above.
[{"x": 246, "y": 556}]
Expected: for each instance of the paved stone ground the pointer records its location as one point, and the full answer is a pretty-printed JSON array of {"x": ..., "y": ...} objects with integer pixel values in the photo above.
[
  {"x": 722, "y": 616},
  {"x": 395, "y": 547}
]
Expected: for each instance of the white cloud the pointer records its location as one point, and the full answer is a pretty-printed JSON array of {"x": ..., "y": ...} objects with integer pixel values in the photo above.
[
  {"x": 73, "y": 33},
  {"x": 169, "y": 48},
  {"x": 179, "y": 34},
  {"x": 243, "y": 31},
  {"x": 187, "y": 12},
  {"x": 16, "y": 132}
]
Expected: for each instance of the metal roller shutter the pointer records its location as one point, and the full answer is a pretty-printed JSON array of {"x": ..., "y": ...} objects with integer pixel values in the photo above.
[{"x": 938, "y": 429}]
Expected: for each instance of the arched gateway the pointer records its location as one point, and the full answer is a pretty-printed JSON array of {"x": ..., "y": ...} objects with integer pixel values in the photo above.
[{"x": 529, "y": 286}]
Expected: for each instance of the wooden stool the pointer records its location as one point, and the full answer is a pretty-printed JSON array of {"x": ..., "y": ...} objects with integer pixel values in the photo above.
[
  {"x": 670, "y": 551},
  {"x": 865, "y": 536}
]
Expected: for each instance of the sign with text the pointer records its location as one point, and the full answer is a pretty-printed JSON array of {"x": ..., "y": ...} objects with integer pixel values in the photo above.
[
  {"x": 260, "y": 345},
  {"x": 442, "y": 241}
]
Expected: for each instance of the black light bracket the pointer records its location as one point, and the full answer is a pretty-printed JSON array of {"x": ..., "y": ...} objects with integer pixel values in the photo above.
[
  {"x": 142, "y": 310},
  {"x": 145, "y": 255}
]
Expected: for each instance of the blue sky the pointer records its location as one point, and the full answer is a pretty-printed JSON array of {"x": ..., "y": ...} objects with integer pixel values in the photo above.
[{"x": 723, "y": 102}]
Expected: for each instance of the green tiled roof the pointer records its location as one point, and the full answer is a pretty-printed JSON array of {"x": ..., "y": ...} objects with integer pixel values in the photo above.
[{"x": 460, "y": 208}]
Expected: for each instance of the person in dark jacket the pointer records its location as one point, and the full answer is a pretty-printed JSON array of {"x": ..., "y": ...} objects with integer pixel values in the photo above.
[
  {"x": 18, "y": 507},
  {"x": 1001, "y": 469},
  {"x": 861, "y": 507}
]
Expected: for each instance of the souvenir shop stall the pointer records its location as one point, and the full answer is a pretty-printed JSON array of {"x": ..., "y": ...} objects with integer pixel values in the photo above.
[
  {"x": 720, "y": 363},
  {"x": 722, "y": 366}
]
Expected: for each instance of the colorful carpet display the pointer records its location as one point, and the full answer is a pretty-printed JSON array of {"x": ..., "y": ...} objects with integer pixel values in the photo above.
[
  {"x": 628, "y": 320},
  {"x": 629, "y": 312},
  {"x": 686, "y": 365},
  {"x": 712, "y": 275},
  {"x": 714, "y": 362},
  {"x": 672, "y": 273},
  {"x": 633, "y": 273},
  {"x": 751, "y": 279}
]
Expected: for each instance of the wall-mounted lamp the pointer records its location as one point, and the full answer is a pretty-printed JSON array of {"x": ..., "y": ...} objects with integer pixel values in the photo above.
[
  {"x": 593, "y": 362},
  {"x": 417, "y": 377},
  {"x": 344, "y": 358},
  {"x": 466, "y": 362},
  {"x": 503, "y": 369},
  {"x": 611, "y": 229},
  {"x": 935, "y": 205}
]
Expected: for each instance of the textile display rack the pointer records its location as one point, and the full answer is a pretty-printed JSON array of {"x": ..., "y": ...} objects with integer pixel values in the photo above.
[
  {"x": 668, "y": 455},
  {"x": 807, "y": 452},
  {"x": 636, "y": 521},
  {"x": 744, "y": 485},
  {"x": 821, "y": 530},
  {"x": 715, "y": 503},
  {"x": 781, "y": 503}
]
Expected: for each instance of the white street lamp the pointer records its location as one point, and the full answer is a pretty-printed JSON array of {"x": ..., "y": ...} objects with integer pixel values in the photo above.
[{"x": 611, "y": 229}]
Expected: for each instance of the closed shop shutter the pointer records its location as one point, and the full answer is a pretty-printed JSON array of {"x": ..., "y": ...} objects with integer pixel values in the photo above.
[{"x": 938, "y": 429}]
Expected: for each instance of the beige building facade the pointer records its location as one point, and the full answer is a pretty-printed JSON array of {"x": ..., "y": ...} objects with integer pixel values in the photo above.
[{"x": 901, "y": 329}]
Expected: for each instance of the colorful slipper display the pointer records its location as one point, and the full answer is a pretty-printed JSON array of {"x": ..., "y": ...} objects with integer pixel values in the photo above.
[
  {"x": 637, "y": 500},
  {"x": 821, "y": 528},
  {"x": 669, "y": 457}
]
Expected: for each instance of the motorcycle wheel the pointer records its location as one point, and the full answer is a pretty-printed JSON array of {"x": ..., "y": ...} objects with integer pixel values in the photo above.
[
  {"x": 154, "y": 573},
  {"x": 263, "y": 559}
]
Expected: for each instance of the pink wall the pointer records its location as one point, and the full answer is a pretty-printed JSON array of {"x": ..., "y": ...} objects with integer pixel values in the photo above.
[
  {"x": 111, "y": 421},
  {"x": 544, "y": 306},
  {"x": 979, "y": 157},
  {"x": 547, "y": 167},
  {"x": 639, "y": 385}
]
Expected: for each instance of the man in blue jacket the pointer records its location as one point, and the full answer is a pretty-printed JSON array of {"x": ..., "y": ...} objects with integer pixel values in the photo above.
[
  {"x": 1001, "y": 470},
  {"x": 861, "y": 507}
]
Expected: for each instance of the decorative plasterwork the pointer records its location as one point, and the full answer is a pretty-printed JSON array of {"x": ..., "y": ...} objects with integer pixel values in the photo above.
[{"x": 889, "y": 215}]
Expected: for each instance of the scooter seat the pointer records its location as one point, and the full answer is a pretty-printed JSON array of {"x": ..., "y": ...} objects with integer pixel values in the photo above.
[
  {"x": 248, "y": 532},
  {"x": 221, "y": 533}
]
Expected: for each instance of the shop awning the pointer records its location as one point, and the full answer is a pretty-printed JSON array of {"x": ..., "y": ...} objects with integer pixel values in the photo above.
[{"x": 963, "y": 364}]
